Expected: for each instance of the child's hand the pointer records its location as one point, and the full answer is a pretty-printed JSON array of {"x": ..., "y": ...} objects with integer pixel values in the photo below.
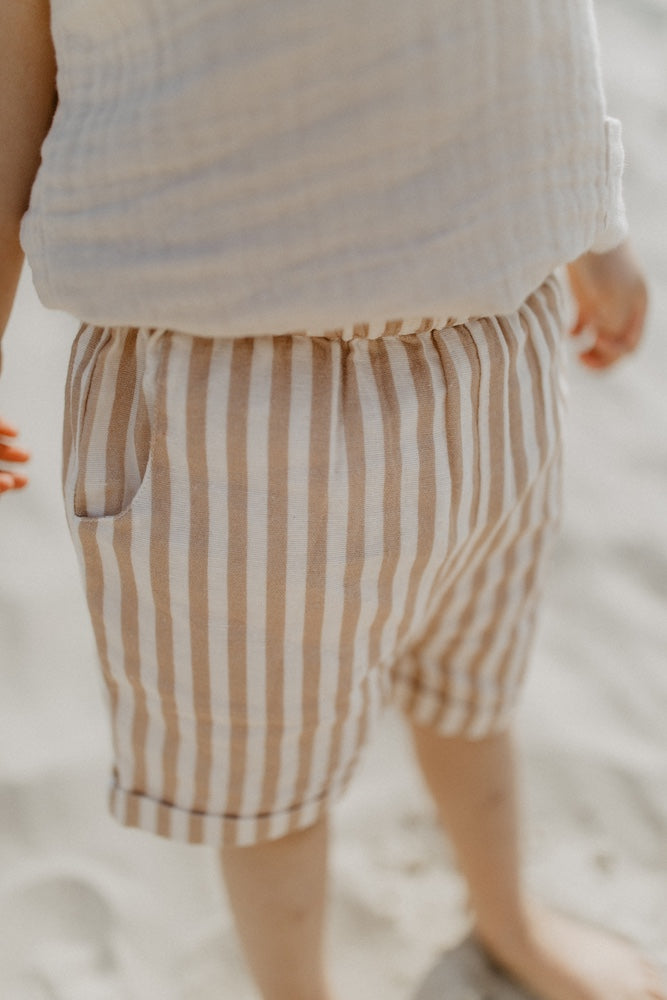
[
  {"x": 612, "y": 299},
  {"x": 10, "y": 453}
]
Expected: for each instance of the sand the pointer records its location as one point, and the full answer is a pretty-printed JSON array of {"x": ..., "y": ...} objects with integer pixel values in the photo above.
[{"x": 91, "y": 911}]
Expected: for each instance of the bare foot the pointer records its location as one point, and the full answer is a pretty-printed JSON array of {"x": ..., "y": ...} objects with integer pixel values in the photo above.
[{"x": 559, "y": 958}]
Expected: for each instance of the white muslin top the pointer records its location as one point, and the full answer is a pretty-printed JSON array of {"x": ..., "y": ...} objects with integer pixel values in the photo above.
[{"x": 247, "y": 167}]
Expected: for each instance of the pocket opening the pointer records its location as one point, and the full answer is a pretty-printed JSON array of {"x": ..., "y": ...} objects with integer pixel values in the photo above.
[{"x": 115, "y": 437}]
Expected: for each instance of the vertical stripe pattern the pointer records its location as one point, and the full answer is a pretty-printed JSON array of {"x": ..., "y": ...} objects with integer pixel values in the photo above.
[{"x": 278, "y": 534}]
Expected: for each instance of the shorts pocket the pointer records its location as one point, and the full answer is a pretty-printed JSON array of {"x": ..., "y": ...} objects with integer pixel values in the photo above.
[{"x": 112, "y": 400}]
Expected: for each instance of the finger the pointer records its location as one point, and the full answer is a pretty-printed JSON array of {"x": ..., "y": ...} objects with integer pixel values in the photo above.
[
  {"x": 625, "y": 339},
  {"x": 10, "y": 453},
  {"x": 592, "y": 359},
  {"x": 11, "y": 481},
  {"x": 601, "y": 357},
  {"x": 9, "y": 430},
  {"x": 611, "y": 345},
  {"x": 603, "y": 353}
]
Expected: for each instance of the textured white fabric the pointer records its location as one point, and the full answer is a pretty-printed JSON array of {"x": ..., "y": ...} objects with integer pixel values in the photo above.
[{"x": 245, "y": 167}]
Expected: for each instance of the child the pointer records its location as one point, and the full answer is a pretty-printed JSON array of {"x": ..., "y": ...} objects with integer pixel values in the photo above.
[{"x": 280, "y": 530}]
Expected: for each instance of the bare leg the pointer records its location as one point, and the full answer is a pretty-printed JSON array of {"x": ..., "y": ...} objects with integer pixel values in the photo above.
[
  {"x": 277, "y": 893},
  {"x": 474, "y": 787}
]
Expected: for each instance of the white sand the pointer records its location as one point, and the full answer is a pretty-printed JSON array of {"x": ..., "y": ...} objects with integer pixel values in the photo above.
[{"x": 90, "y": 911}]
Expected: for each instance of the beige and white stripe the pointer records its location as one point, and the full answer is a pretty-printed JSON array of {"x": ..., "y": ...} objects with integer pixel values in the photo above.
[{"x": 278, "y": 534}]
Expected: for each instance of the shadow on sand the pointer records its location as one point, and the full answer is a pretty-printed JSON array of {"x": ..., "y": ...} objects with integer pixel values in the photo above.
[{"x": 466, "y": 973}]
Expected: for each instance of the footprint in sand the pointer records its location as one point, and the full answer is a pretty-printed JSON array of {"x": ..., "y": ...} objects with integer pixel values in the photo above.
[{"x": 57, "y": 941}]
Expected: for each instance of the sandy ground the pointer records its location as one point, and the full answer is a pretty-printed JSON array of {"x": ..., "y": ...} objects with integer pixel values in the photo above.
[{"x": 90, "y": 911}]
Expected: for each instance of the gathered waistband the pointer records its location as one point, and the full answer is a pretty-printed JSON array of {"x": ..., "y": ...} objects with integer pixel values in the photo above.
[{"x": 390, "y": 328}]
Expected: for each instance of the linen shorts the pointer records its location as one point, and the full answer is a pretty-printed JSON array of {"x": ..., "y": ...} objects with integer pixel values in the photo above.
[{"x": 280, "y": 534}]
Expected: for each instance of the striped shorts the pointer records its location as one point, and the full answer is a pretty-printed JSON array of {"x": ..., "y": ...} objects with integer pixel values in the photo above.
[{"x": 280, "y": 534}]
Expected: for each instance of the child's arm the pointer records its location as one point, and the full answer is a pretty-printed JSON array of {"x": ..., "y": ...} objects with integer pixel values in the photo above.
[
  {"x": 27, "y": 102},
  {"x": 612, "y": 299}
]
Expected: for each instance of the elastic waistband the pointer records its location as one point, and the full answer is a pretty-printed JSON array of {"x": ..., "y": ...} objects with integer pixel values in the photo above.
[{"x": 390, "y": 328}]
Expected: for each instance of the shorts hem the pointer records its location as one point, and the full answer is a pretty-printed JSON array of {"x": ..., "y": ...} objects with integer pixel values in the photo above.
[
  {"x": 142, "y": 812},
  {"x": 447, "y": 717}
]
